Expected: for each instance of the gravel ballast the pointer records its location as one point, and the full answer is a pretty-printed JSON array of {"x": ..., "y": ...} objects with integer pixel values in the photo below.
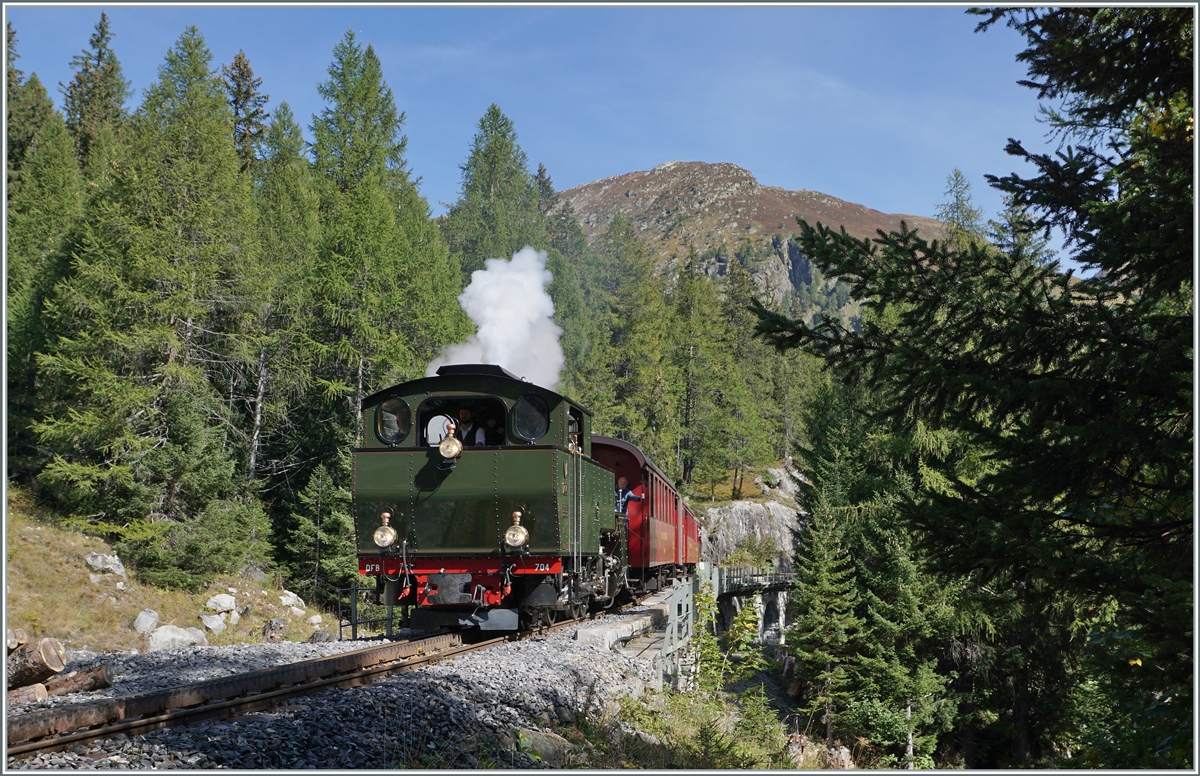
[{"x": 449, "y": 714}]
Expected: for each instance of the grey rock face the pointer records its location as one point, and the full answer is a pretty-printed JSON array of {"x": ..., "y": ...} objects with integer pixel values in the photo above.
[
  {"x": 730, "y": 525},
  {"x": 147, "y": 620}
]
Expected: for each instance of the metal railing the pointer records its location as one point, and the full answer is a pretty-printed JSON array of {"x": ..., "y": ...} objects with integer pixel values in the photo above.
[{"x": 380, "y": 619}]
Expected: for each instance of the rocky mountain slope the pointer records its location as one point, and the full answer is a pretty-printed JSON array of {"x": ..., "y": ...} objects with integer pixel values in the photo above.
[
  {"x": 679, "y": 206},
  {"x": 697, "y": 204}
]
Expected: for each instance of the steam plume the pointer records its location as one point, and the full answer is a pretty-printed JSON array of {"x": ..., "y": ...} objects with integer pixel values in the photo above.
[{"x": 508, "y": 302}]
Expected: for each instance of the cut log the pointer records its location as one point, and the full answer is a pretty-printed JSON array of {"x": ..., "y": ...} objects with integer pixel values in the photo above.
[
  {"x": 15, "y": 638},
  {"x": 85, "y": 680},
  {"x": 28, "y": 694},
  {"x": 35, "y": 661}
]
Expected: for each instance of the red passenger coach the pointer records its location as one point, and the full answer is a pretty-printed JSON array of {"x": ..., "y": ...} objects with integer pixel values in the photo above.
[{"x": 661, "y": 533}]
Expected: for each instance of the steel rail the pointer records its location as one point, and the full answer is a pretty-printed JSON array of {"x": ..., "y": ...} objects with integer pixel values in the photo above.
[
  {"x": 58, "y": 728},
  {"x": 39, "y": 730}
]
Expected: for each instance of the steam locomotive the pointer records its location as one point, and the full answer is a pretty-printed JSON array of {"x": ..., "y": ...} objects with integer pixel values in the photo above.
[{"x": 482, "y": 500}]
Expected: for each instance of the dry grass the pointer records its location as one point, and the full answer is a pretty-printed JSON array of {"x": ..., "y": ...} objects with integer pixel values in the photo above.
[{"x": 49, "y": 591}]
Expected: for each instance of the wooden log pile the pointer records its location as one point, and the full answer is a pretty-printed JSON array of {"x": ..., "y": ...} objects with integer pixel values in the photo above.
[{"x": 34, "y": 670}]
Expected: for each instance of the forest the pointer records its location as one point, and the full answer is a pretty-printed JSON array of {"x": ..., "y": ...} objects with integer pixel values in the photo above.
[{"x": 996, "y": 568}]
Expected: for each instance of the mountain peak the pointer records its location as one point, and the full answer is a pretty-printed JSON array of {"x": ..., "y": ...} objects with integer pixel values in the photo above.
[{"x": 677, "y": 206}]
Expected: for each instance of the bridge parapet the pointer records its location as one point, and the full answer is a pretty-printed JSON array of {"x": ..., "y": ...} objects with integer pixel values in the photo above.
[{"x": 743, "y": 580}]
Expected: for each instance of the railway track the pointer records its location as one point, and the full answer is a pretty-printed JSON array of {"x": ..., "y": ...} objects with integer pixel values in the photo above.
[{"x": 57, "y": 728}]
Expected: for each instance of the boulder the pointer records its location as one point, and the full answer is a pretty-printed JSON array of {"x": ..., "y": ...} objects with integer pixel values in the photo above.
[
  {"x": 147, "y": 620},
  {"x": 214, "y": 622},
  {"x": 291, "y": 599},
  {"x": 273, "y": 628},
  {"x": 223, "y": 602},
  {"x": 234, "y": 617},
  {"x": 551, "y": 748},
  {"x": 314, "y": 620},
  {"x": 109, "y": 563},
  {"x": 174, "y": 637},
  {"x": 296, "y": 611},
  {"x": 321, "y": 636}
]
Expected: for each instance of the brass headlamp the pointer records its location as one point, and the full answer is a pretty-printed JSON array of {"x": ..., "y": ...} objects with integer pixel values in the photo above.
[
  {"x": 385, "y": 535},
  {"x": 517, "y": 534}
]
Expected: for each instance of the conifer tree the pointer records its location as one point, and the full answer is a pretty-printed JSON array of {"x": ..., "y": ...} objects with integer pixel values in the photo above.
[
  {"x": 247, "y": 103},
  {"x": 325, "y": 558},
  {"x": 133, "y": 421},
  {"x": 704, "y": 368},
  {"x": 959, "y": 213},
  {"x": 94, "y": 101},
  {"x": 497, "y": 212},
  {"x": 384, "y": 281},
  {"x": 642, "y": 373},
  {"x": 29, "y": 109},
  {"x": 1077, "y": 393},
  {"x": 823, "y": 635},
  {"x": 359, "y": 134},
  {"x": 276, "y": 298},
  {"x": 39, "y": 216}
]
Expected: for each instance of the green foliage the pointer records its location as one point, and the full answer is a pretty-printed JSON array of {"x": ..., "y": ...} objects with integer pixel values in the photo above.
[
  {"x": 754, "y": 551},
  {"x": 246, "y": 102},
  {"x": 94, "y": 101},
  {"x": 359, "y": 133},
  {"x": 497, "y": 212},
  {"x": 321, "y": 540},
  {"x": 1059, "y": 484}
]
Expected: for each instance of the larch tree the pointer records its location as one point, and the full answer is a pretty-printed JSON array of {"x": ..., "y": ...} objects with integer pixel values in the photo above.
[{"x": 497, "y": 212}]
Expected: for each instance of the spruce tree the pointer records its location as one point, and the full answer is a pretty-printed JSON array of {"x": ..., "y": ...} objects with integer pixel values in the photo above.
[
  {"x": 94, "y": 101},
  {"x": 1077, "y": 393},
  {"x": 247, "y": 103},
  {"x": 497, "y": 212},
  {"x": 29, "y": 109}
]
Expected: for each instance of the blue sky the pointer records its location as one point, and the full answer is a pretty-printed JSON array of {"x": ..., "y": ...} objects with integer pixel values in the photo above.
[{"x": 875, "y": 105}]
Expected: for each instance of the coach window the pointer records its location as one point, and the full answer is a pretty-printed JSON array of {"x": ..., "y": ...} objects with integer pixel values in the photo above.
[
  {"x": 392, "y": 421},
  {"x": 530, "y": 418}
]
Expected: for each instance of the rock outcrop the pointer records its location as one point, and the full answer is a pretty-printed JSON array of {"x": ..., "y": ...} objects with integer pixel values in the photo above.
[{"x": 730, "y": 525}]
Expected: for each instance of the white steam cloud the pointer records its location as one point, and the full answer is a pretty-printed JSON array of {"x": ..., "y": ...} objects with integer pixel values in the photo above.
[{"x": 508, "y": 302}]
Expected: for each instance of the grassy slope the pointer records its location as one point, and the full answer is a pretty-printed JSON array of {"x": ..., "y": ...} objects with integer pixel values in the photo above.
[{"x": 49, "y": 592}]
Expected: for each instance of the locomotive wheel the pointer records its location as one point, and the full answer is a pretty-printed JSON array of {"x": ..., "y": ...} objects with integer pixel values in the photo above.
[
  {"x": 550, "y": 616},
  {"x": 579, "y": 611}
]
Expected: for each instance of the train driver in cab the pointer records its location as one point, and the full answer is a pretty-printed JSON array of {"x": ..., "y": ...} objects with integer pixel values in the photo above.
[
  {"x": 625, "y": 495},
  {"x": 471, "y": 433}
]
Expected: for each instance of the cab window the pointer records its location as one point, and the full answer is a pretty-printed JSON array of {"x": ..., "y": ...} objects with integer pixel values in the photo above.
[
  {"x": 477, "y": 421},
  {"x": 392, "y": 421}
]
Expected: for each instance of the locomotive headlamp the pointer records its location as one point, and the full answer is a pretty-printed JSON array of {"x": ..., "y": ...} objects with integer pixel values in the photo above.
[
  {"x": 450, "y": 448},
  {"x": 385, "y": 535},
  {"x": 517, "y": 534}
]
